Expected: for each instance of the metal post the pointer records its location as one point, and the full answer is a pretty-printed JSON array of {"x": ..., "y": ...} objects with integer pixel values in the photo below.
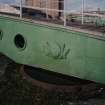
[
  {"x": 65, "y": 22},
  {"x": 20, "y": 8},
  {"x": 82, "y": 12},
  {"x": 46, "y": 9}
]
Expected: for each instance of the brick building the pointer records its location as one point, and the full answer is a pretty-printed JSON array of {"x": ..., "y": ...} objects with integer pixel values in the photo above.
[{"x": 50, "y": 4}]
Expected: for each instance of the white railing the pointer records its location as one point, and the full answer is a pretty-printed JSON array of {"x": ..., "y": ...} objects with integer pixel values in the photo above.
[{"x": 46, "y": 6}]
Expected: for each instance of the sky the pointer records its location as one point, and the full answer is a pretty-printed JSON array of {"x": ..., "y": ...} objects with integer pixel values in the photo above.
[
  {"x": 75, "y": 5},
  {"x": 89, "y": 4},
  {"x": 6, "y": 1}
]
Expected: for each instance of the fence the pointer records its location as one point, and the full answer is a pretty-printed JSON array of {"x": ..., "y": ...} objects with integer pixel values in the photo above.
[{"x": 59, "y": 9}]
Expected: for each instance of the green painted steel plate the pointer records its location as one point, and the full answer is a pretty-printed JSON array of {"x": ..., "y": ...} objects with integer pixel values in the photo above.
[{"x": 55, "y": 49}]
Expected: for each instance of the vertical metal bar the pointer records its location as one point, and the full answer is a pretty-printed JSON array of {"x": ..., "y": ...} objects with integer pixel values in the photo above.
[
  {"x": 40, "y": 4},
  {"x": 82, "y": 12},
  {"x": 65, "y": 22},
  {"x": 47, "y": 9},
  {"x": 20, "y": 8}
]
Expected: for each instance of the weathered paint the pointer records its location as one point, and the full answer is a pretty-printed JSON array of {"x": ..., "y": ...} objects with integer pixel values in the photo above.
[{"x": 56, "y": 49}]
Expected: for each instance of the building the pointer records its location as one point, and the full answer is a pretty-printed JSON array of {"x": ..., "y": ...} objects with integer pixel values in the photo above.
[
  {"x": 55, "y": 5},
  {"x": 8, "y": 9}
]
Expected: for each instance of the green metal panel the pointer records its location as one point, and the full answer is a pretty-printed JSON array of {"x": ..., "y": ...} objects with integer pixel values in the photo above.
[
  {"x": 55, "y": 49},
  {"x": 100, "y": 22}
]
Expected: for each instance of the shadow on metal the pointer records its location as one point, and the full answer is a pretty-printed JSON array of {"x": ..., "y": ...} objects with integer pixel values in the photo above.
[{"x": 59, "y": 83}]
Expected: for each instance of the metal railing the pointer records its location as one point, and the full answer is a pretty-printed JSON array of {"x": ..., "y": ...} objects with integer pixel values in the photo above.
[
  {"x": 47, "y": 9},
  {"x": 46, "y": 6}
]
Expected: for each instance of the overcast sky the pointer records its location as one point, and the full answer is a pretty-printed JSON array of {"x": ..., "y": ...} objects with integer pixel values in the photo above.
[
  {"x": 89, "y": 4},
  {"x": 75, "y": 4},
  {"x": 6, "y": 1}
]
